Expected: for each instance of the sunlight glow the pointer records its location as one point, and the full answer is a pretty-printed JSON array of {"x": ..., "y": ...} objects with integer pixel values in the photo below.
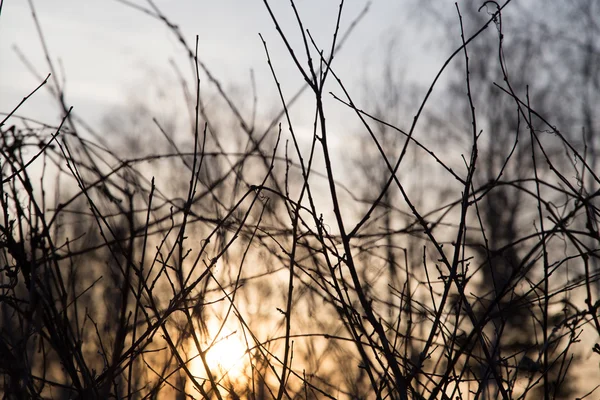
[
  {"x": 225, "y": 359},
  {"x": 227, "y": 355}
]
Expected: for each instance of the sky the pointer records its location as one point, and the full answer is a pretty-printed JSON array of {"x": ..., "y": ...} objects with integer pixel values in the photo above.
[{"x": 107, "y": 50}]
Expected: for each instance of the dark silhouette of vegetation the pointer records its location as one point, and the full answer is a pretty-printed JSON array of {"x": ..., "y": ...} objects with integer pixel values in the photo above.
[{"x": 461, "y": 263}]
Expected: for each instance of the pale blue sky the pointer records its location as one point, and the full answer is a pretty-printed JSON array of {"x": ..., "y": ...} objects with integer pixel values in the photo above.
[{"x": 107, "y": 48}]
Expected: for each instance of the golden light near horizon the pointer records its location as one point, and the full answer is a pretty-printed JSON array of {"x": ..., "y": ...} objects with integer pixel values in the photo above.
[
  {"x": 226, "y": 359},
  {"x": 227, "y": 355}
]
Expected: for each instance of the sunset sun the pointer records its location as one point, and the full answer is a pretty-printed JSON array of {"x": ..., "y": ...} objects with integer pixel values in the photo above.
[{"x": 225, "y": 358}]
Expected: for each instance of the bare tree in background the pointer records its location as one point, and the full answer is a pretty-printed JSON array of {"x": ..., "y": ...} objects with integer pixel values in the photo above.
[{"x": 556, "y": 85}]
